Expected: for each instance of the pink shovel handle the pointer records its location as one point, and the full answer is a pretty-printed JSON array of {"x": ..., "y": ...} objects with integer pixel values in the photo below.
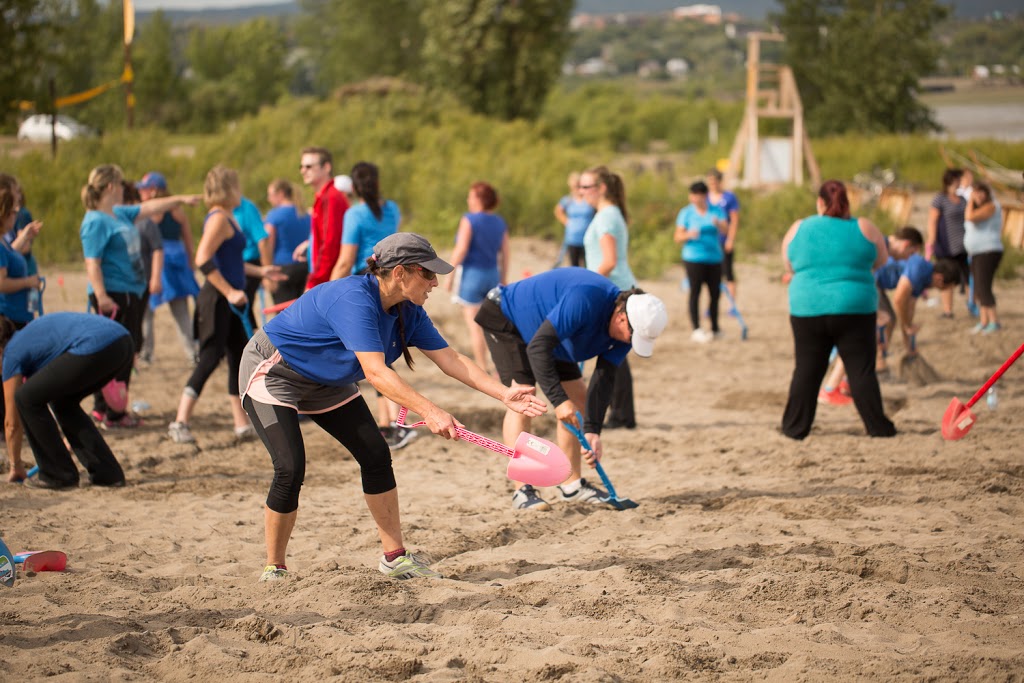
[
  {"x": 999, "y": 373},
  {"x": 464, "y": 434}
]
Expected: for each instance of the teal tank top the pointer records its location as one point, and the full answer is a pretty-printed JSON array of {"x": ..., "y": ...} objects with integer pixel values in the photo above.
[{"x": 832, "y": 263}]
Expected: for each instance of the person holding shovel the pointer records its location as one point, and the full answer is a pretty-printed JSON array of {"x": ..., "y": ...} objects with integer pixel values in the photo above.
[
  {"x": 539, "y": 330},
  {"x": 308, "y": 359}
]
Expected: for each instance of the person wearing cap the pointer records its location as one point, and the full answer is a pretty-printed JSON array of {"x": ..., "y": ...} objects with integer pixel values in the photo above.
[
  {"x": 177, "y": 280},
  {"x": 327, "y": 216},
  {"x": 729, "y": 205},
  {"x": 308, "y": 359},
  {"x": 539, "y": 330}
]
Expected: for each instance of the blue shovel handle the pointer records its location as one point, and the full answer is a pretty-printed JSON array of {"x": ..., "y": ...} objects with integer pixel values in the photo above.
[
  {"x": 243, "y": 315},
  {"x": 582, "y": 438}
]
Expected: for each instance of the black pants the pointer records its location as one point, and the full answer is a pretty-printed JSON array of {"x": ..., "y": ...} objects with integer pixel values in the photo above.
[
  {"x": 3, "y": 406},
  {"x": 577, "y": 256},
  {"x": 295, "y": 285},
  {"x": 60, "y": 387},
  {"x": 252, "y": 285},
  {"x": 220, "y": 333},
  {"x": 983, "y": 267},
  {"x": 129, "y": 313},
  {"x": 622, "y": 411},
  {"x": 813, "y": 338},
  {"x": 352, "y": 425},
  {"x": 709, "y": 274}
]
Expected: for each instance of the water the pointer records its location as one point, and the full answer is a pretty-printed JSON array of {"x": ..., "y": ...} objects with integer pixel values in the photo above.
[{"x": 992, "y": 399}]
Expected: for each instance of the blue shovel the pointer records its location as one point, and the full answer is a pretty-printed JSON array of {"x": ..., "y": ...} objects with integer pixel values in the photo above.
[
  {"x": 243, "y": 315},
  {"x": 613, "y": 498},
  {"x": 732, "y": 302}
]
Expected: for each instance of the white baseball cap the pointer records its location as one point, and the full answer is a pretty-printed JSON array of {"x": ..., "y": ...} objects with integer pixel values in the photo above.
[
  {"x": 648, "y": 318},
  {"x": 342, "y": 183}
]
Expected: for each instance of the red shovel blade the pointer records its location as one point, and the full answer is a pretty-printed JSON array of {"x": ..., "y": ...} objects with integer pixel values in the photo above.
[
  {"x": 957, "y": 421},
  {"x": 538, "y": 462},
  {"x": 44, "y": 561}
]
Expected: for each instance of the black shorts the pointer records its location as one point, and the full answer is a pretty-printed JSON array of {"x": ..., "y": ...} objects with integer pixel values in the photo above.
[{"x": 508, "y": 350}]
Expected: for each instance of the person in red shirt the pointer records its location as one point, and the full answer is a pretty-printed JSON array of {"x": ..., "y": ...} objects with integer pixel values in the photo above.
[{"x": 329, "y": 206}]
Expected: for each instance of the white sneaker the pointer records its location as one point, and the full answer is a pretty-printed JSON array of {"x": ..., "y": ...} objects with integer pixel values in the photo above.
[
  {"x": 180, "y": 433},
  {"x": 246, "y": 433},
  {"x": 701, "y": 336}
]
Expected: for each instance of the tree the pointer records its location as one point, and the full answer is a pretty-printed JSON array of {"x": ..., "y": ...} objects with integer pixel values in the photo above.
[
  {"x": 500, "y": 57},
  {"x": 28, "y": 27},
  {"x": 158, "y": 85},
  {"x": 350, "y": 40},
  {"x": 857, "y": 63}
]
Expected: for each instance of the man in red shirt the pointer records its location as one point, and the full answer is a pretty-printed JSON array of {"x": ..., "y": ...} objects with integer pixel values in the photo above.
[{"x": 329, "y": 206}]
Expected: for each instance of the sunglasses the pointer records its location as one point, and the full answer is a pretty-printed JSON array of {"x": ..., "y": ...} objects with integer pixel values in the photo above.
[
  {"x": 306, "y": 167},
  {"x": 427, "y": 274},
  {"x": 587, "y": 187}
]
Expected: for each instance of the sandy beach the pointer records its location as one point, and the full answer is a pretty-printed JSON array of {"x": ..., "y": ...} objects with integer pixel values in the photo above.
[{"x": 751, "y": 556}]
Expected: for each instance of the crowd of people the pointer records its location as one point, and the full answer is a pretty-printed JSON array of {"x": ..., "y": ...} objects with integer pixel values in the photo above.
[{"x": 350, "y": 287}]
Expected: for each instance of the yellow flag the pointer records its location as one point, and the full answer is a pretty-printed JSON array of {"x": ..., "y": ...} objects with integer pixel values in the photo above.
[{"x": 129, "y": 21}]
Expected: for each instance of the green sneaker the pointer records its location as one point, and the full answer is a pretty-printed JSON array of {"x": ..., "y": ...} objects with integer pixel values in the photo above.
[
  {"x": 407, "y": 566},
  {"x": 274, "y": 573}
]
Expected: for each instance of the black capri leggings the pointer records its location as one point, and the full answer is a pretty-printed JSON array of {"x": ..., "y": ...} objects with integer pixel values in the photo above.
[
  {"x": 220, "y": 333},
  {"x": 352, "y": 425},
  {"x": 129, "y": 313},
  {"x": 983, "y": 267},
  {"x": 709, "y": 274}
]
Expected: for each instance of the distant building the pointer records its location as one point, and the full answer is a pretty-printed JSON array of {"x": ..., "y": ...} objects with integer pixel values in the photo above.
[
  {"x": 677, "y": 67},
  {"x": 709, "y": 14}
]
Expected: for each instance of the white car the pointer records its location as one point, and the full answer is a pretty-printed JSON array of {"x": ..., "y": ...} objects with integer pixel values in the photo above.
[{"x": 36, "y": 128}]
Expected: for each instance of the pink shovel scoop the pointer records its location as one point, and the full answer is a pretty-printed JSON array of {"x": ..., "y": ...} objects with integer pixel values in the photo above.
[{"x": 534, "y": 460}]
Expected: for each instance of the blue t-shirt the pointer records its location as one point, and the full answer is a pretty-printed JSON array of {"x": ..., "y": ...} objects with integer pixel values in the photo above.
[
  {"x": 579, "y": 214},
  {"x": 23, "y": 218},
  {"x": 291, "y": 231},
  {"x": 38, "y": 343},
  {"x": 727, "y": 203},
  {"x": 250, "y": 222},
  {"x": 15, "y": 304},
  {"x": 116, "y": 243},
  {"x": 609, "y": 221},
  {"x": 707, "y": 248},
  {"x": 917, "y": 269},
  {"x": 579, "y": 303},
  {"x": 489, "y": 231},
  {"x": 361, "y": 227},
  {"x": 319, "y": 334}
]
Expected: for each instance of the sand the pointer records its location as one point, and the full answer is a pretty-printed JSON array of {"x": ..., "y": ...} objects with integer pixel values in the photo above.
[{"x": 751, "y": 557}]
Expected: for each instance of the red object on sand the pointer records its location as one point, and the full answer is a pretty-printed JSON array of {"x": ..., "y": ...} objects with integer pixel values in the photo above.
[
  {"x": 277, "y": 308},
  {"x": 42, "y": 561},
  {"x": 958, "y": 418}
]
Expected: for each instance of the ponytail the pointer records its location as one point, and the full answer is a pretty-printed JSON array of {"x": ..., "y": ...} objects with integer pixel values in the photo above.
[
  {"x": 615, "y": 189},
  {"x": 366, "y": 185},
  {"x": 837, "y": 204},
  {"x": 99, "y": 179},
  {"x": 373, "y": 268}
]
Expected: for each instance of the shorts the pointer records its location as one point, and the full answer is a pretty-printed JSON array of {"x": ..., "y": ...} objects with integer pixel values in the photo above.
[
  {"x": 474, "y": 284},
  {"x": 508, "y": 350},
  {"x": 267, "y": 378}
]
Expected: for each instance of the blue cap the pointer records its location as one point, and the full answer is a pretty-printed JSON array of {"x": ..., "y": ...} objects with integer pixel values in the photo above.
[{"x": 151, "y": 181}]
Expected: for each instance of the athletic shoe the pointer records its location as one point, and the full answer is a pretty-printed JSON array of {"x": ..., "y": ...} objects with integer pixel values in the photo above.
[
  {"x": 39, "y": 483},
  {"x": 980, "y": 327},
  {"x": 526, "y": 498},
  {"x": 844, "y": 388},
  {"x": 407, "y": 566},
  {"x": 398, "y": 437},
  {"x": 274, "y": 573},
  {"x": 246, "y": 433},
  {"x": 126, "y": 421},
  {"x": 719, "y": 334},
  {"x": 832, "y": 397},
  {"x": 180, "y": 433},
  {"x": 701, "y": 336},
  {"x": 586, "y": 493},
  {"x": 991, "y": 328}
]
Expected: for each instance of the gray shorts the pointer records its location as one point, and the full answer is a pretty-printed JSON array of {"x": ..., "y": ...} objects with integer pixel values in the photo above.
[{"x": 266, "y": 377}]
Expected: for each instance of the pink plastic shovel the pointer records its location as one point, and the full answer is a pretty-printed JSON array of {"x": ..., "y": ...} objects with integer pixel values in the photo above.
[{"x": 534, "y": 460}]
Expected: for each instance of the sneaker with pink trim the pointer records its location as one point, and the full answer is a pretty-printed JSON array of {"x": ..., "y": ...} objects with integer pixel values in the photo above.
[{"x": 832, "y": 397}]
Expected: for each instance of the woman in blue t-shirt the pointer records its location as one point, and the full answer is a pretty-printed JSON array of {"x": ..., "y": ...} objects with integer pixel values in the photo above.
[
  {"x": 16, "y": 282},
  {"x": 219, "y": 331},
  {"x": 113, "y": 261},
  {"x": 829, "y": 259},
  {"x": 366, "y": 223},
  {"x": 48, "y": 368},
  {"x": 308, "y": 359},
  {"x": 482, "y": 252},
  {"x": 287, "y": 227},
  {"x": 698, "y": 227},
  {"x": 575, "y": 213}
]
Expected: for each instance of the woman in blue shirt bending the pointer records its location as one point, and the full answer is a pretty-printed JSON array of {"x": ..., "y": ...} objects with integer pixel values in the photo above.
[{"x": 833, "y": 301}]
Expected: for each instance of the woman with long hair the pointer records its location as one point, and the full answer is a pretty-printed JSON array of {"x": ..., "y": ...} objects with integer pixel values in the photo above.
[
  {"x": 983, "y": 229},
  {"x": 833, "y": 302}
]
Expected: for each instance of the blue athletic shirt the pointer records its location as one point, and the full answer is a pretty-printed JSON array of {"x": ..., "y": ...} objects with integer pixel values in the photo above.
[
  {"x": 707, "y": 248},
  {"x": 15, "y": 304},
  {"x": 228, "y": 257},
  {"x": 291, "y": 231},
  {"x": 250, "y": 222},
  {"x": 116, "y": 243},
  {"x": 578, "y": 302},
  {"x": 489, "y": 231},
  {"x": 727, "y": 203},
  {"x": 319, "y": 334},
  {"x": 832, "y": 262},
  {"x": 42, "y": 340},
  {"x": 917, "y": 269},
  {"x": 579, "y": 214},
  {"x": 361, "y": 227}
]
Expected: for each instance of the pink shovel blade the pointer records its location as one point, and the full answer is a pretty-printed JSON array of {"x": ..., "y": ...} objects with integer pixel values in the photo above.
[
  {"x": 46, "y": 561},
  {"x": 115, "y": 393},
  {"x": 957, "y": 421},
  {"x": 538, "y": 462}
]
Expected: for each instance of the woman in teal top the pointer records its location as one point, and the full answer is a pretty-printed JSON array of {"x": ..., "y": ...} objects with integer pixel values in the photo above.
[
  {"x": 829, "y": 260},
  {"x": 606, "y": 250}
]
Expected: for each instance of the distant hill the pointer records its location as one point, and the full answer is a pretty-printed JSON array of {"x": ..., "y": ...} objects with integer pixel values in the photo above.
[{"x": 231, "y": 15}]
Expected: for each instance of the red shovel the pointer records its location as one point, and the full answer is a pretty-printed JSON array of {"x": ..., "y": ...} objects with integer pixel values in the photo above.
[
  {"x": 534, "y": 460},
  {"x": 277, "y": 308},
  {"x": 42, "y": 560},
  {"x": 958, "y": 418}
]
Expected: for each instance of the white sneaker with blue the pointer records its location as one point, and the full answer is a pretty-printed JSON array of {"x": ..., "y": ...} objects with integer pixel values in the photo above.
[
  {"x": 582, "y": 491},
  {"x": 527, "y": 498}
]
